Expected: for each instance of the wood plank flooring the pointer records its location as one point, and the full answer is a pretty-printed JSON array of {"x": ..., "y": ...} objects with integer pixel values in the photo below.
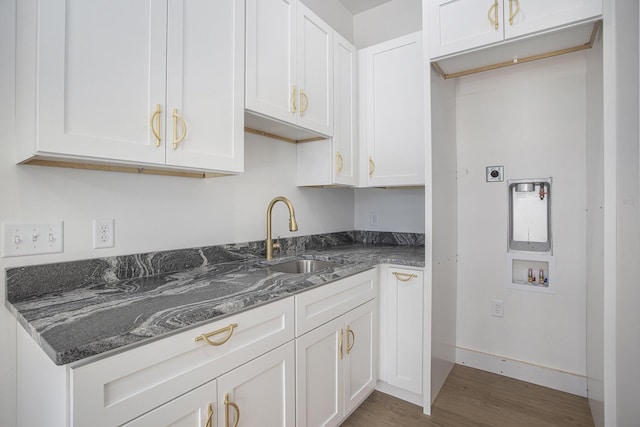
[{"x": 471, "y": 397}]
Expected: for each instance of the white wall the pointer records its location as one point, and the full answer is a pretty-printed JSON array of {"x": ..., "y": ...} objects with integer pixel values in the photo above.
[
  {"x": 595, "y": 234},
  {"x": 151, "y": 212},
  {"x": 531, "y": 119},
  {"x": 399, "y": 210},
  {"x": 387, "y": 21}
]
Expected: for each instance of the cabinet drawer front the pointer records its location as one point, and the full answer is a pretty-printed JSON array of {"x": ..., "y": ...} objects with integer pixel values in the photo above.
[
  {"x": 318, "y": 306},
  {"x": 119, "y": 388}
]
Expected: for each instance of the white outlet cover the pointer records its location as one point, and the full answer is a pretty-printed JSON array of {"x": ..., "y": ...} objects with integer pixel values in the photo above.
[
  {"x": 19, "y": 239},
  {"x": 103, "y": 233}
]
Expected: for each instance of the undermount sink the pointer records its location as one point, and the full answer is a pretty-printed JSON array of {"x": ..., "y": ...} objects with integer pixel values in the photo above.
[{"x": 301, "y": 266}]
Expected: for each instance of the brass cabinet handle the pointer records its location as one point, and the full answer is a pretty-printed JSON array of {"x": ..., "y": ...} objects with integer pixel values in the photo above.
[
  {"x": 304, "y": 102},
  {"x": 372, "y": 166},
  {"x": 340, "y": 352},
  {"x": 494, "y": 21},
  {"x": 209, "y": 422},
  {"x": 353, "y": 339},
  {"x": 404, "y": 277},
  {"x": 228, "y": 403},
  {"x": 293, "y": 100},
  {"x": 511, "y": 13},
  {"x": 339, "y": 163},
  {"x": 229, "y": 329},
  {"x": 176, "y": 117},
  {"x": 155, "y": 125}
]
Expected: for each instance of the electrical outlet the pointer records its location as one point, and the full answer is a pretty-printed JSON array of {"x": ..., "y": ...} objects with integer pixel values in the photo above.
[
  {"x": 103, "y": 233},
  {"x": 497, "y": 308},
  {"x": 373, "y": 218}
]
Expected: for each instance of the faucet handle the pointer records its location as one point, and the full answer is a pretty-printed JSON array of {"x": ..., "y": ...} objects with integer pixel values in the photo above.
[{"x": 276, "y": 244}]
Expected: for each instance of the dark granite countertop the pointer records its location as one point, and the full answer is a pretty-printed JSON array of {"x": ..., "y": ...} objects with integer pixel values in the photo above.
[{"x": 78, "y": 323}]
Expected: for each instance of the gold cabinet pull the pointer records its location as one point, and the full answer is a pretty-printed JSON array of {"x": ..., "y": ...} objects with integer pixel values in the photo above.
[
  {"x": 372, "y": 166},
  {"x": 154, "y": 123},
  {"x": 228, "y": 403},
  {"x": 340, "y": 352},
  {"x": 404, "y": 277},
  {"x": 513, "y": 14},
  {"x": 304, "y": 102},
  {"x": 293, "y": 100},
  {"x": 493, "y": 10},
  {"x": 177, "y": 118},
  {"x": 339, "y": 163},
  {"x": 228, "y": 329},
  {"x": 209, "y": 422},
  {"x": 353, "y": 339}
]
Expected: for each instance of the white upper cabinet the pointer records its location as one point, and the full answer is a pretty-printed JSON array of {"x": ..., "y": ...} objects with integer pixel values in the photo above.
[
  {"x": 289, "y": 74},
  {"x": 529, "y": 16},
  {"x": 271, "y": 58},
  {"x": 205, "y": 84},
  {"x": 459, "y": 25},
  {"x": 335, "y": 161},
  {"x": 393, "y": 110},
  {"x": 99, "y": 81}
]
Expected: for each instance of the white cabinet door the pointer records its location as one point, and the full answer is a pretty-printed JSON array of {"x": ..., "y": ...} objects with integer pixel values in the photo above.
[
  {"x": 345, "y": 105},
  {"x": 530, "y": 16},
  {"x": 361, "y": 349},
  {"x": 319, "y": 375},
  {"x": 458, "y": 25},
  {"x": 335, "y": 161},
  {"x": 261, "y": 392},
  {"x": 205, "y": 87},
  {"x": 315, "y": 72},
  {"x": 401, "y": 319},
  {"x": 394, "y": 112},
  {"x": 193, "y": 409},
  {"x": 100, "y": 73},
  {"x": 270, "y": 58}
]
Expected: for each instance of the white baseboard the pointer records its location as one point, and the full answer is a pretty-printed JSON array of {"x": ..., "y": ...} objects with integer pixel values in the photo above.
[
  {"x": 400, "y": 393},
  {"x": 547, "y": 377}
]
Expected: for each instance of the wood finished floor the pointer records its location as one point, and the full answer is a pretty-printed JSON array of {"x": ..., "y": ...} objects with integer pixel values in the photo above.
[{"x": 471, "y": 397}]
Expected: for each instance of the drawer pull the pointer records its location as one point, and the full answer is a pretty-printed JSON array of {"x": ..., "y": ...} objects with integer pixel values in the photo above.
[
  {"x": 228, "y": 403},
  {"x": 210, "y": 416},
  {"x": 404, "y": 277},
  {"x": 353, "y": 339},
  {"x": 229, "y": 329}
]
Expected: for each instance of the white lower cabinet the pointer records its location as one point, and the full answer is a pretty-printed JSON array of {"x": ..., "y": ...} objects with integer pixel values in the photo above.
[
  {"x": 336, "y": 362},
  {"x": 236, "y": 398},
  {"x": 193, "y": 409},
  {"x": 260, "y": 393},
  {"x": 259, "y": 367},
  {"x": 401, "y": 329}
]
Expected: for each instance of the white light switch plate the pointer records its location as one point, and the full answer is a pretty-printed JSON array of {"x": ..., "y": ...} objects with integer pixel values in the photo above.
[{"x": 19, "y": 239}]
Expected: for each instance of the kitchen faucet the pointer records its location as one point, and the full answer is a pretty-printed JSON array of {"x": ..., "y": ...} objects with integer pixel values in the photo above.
[{"x": 293, "y": 225}]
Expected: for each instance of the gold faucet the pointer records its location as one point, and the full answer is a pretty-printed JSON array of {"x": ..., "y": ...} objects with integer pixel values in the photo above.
[{"x": 293, "y": 225}]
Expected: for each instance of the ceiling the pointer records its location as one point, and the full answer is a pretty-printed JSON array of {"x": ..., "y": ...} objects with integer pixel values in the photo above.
[{"x": 358, "y": 6}]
